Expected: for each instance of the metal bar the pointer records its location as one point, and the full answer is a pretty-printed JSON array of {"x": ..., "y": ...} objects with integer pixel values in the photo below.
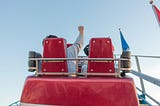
[
  {"x": 141, "y": 56},
  {"x": 94, "y": 59},
  {"x": 32, "y": 68},
  {"x": 149, "y": 96},
  {"x": 146, "y": 56},
  {"x": 101, "y": 61},
  {"x": 37, "y": 67},
  {"x": 125, "y": 68},
  {"x": 15, "y": 103},
  {"x": 119, "y": 68},
  {"x": 139, "y": 70},
  {"x": 52, "y": 73},
  {"x": 147, "y": 78},
  {"x": 54, "y": 60},
  {"x": 91, "y": 74},
  {"x": 100, "y": 74}
]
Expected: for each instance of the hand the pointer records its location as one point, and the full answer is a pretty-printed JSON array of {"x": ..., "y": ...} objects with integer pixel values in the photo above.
[{"x": 81, "y": 29}]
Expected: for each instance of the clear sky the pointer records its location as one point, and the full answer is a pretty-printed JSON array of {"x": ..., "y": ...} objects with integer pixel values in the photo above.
[{"x": 24, "y": 23}]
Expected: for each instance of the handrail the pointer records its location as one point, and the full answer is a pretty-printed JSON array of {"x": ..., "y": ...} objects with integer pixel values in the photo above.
[
  {"x": 15, "y": 103},
  {"x": 148, "y": 56},
  {"x": 149, "y": 96},
  {"x": 145, "y": 56},
  {"x": 148, "y": 78},
  {"x": 97, "y": 59},
  {"x": 116, "y": 74}
]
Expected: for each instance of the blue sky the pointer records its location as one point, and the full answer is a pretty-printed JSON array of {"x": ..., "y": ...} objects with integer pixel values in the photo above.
[{"x": 24, "y": 24}]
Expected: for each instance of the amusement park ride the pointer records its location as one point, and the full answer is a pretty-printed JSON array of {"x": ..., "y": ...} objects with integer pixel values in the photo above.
[{"x": 106, "y": 82}]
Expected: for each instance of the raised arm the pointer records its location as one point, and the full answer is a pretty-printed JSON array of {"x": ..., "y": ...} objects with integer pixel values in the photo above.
[{"x": 80, "y": 39}]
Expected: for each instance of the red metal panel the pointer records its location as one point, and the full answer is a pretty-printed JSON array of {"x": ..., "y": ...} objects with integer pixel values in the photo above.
[
  {"x": 54, "y": 48},
  {"x": 101, "y": 48},
  {"x": 80, "y": 91}
]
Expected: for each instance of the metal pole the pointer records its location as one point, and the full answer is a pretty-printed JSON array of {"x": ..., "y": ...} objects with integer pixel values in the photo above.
[
  {"x": 149, "y": 97},
  {"x": 15, "y": 103},
  {"x": 68, "y": 59},
  {"x": 150, "y": 79},
  {"x": 37, "y": 68},
  {"x": 145, "y": 56},
  {"x": 119, "y": 68},
  {"x": 139, "y": 70}
]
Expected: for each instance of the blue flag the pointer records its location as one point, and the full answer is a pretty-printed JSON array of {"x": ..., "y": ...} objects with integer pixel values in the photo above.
[{"x": 124, "y": 44}]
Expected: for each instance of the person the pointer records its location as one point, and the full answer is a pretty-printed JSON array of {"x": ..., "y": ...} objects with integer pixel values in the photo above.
[
  {"x": 85, "y": 63},
  {"x": 86, "y": 49},
  {"x": 73, "y": 51}
]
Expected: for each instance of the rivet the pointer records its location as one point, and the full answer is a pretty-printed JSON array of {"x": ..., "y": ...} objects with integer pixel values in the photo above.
[
  {"x": 94, "y": 41},
  {"x": 46, "y": 41},
  {"x": 108, "y": 41},
  {"x": 44, "y": 69},
  {"x": 110, "y": 70},
  {"x": 91, "y": 69},
  {"x": 62, "y": 69},
  {"x": 60, "y": 42}
]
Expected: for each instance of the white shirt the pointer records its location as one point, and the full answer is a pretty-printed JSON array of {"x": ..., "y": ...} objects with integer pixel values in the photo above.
[{"x": 72, "y": 52}]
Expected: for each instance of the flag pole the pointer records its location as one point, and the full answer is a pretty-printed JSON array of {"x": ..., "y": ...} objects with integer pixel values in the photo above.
[{"x": 156, "y": 12}]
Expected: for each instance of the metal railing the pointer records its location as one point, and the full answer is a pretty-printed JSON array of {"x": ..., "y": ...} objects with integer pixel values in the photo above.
[
  {"x": 148, "y": 78},
  {"x": 15, "y": 103},
  {"x": 138, "y": 73},
  {"x": 117, "y": 72}
]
